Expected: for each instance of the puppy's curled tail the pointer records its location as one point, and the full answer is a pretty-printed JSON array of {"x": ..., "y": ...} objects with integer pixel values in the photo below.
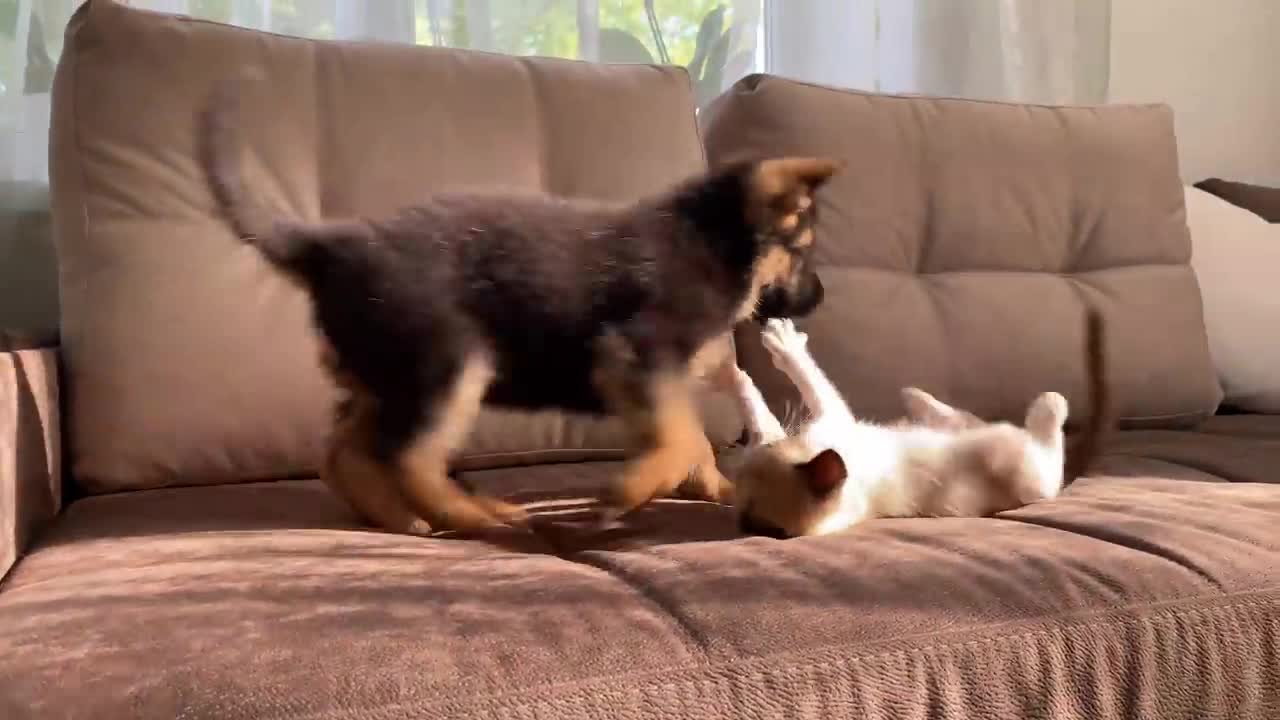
[
  {"x": 1088, "y": 444},
  {"x": 218, "y": 146}
]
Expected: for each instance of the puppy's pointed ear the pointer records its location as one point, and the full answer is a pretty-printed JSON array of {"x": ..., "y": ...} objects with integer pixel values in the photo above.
[
  {"x": 783, "y": 187},
  {"x": 784, "y": 176},
  {"x": 825, "y": 473}
]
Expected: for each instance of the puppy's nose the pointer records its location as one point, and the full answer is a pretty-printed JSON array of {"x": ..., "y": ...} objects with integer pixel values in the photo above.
[{"x": 811, "y": 294}]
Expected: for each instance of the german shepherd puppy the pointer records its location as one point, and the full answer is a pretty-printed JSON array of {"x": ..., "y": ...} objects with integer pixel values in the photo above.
[{"x": 528, "y": 302}]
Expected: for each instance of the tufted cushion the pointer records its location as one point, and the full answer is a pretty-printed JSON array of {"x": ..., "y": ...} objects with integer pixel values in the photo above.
[
  {"x": 960, "y": 246},
  {"x": 188, "y": 359}
]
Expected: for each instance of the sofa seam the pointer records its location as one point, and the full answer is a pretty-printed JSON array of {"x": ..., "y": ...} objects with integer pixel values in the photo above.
[
  {"x": 770, "y": 77},
  {"x": 66, "y": 418},
  {"x": 1120, "y": 617},
  {"x": 1177, "y": 462},
  {"x": 694, "y": 638},
  {"x": 1144, "y": 550},
  {"x": 792, "y": 670},
  {"x": 15, "y": 341},
  {"x": 1069, "y": 275},
  {"x": 788, "y": 671}
]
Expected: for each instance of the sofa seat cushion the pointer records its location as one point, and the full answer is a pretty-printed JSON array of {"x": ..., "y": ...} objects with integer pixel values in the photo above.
[{"x": 1134, "y": 595}]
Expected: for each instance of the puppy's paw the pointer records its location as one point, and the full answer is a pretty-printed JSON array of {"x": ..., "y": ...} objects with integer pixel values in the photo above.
[
  {"x": 505, "y": 512},
  {"x": 706, "y": 483},
  {"x": 476, "y": 513},
  {"x": 781, "y": 338},
  {"x": 609, "y": 518}
]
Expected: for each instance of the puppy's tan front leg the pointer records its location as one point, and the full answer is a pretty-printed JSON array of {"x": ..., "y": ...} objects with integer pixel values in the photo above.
[
  {"x": 706, "y": 482},
  {"x": 370, "y": 488},
  {"x": 423, "y": 465},
  {"x": 668, "y": 440}
]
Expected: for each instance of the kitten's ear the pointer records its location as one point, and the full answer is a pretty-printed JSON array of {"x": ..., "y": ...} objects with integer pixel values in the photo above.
[{"x": 825, "y": 473}]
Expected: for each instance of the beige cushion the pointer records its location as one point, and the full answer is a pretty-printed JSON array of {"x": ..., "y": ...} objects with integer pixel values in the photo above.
[
  {"x": 188, "y": 359},
  {"x": 960, "y": 245},
  {"x": 1236, "y": 256}
]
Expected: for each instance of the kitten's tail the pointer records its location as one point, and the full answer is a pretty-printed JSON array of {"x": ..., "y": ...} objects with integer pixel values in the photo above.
[
  {"x": 1088, "y": 444},
  {"x": 219, "y": 149}
]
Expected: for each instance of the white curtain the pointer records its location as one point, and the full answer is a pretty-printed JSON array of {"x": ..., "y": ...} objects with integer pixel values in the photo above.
[
  {"x": 1038, "y": 51},
  {"x": 1052, "y": 51}
]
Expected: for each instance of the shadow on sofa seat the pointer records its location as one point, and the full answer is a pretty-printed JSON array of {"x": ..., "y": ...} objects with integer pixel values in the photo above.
[{"x": 269, "y": 600}]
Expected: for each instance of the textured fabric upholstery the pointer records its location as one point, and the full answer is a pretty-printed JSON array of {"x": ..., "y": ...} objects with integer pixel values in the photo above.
[{"x": 1128, "y": 596}]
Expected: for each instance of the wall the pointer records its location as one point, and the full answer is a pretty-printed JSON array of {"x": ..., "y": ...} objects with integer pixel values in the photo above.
[{"x": 1217, "y": 62}]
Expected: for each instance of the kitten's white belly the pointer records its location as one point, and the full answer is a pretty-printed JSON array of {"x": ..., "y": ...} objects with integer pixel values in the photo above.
[{"x": 885, "y": 469}]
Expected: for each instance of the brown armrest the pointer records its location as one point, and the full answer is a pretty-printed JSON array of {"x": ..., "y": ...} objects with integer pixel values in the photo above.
[{"x": 30, "y": 446}]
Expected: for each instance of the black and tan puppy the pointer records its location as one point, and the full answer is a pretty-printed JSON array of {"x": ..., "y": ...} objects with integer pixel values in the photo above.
[{"x": 529, "y": 302}]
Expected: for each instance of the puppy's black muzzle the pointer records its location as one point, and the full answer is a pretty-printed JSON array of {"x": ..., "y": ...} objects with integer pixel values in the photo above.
[{"x": 779, "y": 302}]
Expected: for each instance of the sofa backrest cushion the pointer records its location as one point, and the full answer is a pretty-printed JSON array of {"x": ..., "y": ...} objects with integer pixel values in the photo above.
[
  {"x": 963, "y": 240},
  {"x": 188, "y": 359}
]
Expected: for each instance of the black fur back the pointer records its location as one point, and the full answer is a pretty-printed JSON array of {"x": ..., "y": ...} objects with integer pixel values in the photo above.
[{"x": 532, "y": 280}]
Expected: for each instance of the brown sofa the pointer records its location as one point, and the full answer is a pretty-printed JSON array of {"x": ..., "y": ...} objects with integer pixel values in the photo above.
[{"x": 190, "y": 566}]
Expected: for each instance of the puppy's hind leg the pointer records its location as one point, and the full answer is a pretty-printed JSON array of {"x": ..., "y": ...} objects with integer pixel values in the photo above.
[
  {"x": 351, "y": 472},
  {"x": 423, "y": 462}
]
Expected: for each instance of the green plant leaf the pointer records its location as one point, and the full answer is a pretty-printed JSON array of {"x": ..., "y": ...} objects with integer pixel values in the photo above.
[
  {"x": 708, "y": 86},
  {"x": 708, "y": 31},
  {"x": 620, "y": 46}
]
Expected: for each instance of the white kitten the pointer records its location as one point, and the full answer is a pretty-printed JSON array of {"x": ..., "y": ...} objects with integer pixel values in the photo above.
[{"x": 837, "y": 471}]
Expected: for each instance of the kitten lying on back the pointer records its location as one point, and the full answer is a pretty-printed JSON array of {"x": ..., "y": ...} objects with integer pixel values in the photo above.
[{"x": 838, "y": 471}]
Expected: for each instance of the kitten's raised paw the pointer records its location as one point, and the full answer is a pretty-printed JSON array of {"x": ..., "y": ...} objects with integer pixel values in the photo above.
[
  {"x": 1046, "y": 416},
  {"x": 780, "y": 337}
]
